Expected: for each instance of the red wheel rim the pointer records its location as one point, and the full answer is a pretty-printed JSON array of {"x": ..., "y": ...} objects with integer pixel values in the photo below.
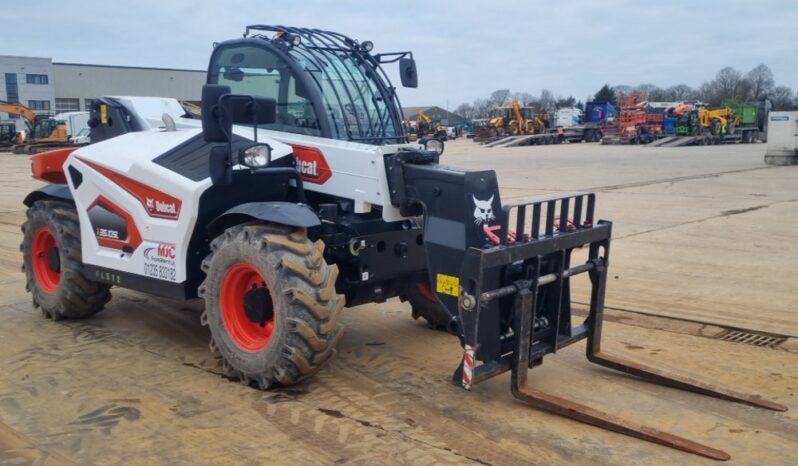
[
  {"x": 46, "y": 263},
  {"x": 241, "y": 279}
]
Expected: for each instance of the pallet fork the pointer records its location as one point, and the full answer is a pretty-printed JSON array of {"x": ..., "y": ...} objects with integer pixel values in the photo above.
[
  {"x": 546, "y": 256},
  {"x": 508, "y": 291}
]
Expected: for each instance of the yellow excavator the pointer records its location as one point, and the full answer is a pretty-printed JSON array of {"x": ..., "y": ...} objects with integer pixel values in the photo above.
[
  {"x": 516, "y": 119},
  {"x": 425, "y": 126},
  {"x": 43, "y": 132}
]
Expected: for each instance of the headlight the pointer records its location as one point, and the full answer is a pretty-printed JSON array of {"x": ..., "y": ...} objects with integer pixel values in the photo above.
[
  {"x": 433, "y": 145},
  {"x": 257, "y": 156},
  {"x": 367, "y": 46}
]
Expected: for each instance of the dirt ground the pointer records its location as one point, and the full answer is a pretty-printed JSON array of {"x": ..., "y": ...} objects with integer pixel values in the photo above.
[{"x": 704, "y": 242}]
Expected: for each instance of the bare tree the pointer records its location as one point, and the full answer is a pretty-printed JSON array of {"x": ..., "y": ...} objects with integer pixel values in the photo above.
[
  {"x": 482, "y": 108},
  {"x": 523, "y": 97},
  {"x": 645, "y": 89},
  {"x": 548, "y": 103},
  {"x": 726, "y": 82},
  {"x": 762, "y": 82},
  {"x": 783, "y": 98},
  {"x": 465, "y": 110},
  {"x": 706, "y": 92},
  {"x": 499, "y": 97},
  {"x": 620, "y": 89},
  {"x": 678, "y": 93}
]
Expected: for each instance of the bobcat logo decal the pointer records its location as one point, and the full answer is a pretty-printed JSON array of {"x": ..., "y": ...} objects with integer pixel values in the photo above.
[{"x": 483, "y": 211}]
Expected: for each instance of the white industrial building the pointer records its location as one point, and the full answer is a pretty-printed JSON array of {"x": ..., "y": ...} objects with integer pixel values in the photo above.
[
  {"x": 48, "y": 87},
  {"x": 29, "y": 81}
]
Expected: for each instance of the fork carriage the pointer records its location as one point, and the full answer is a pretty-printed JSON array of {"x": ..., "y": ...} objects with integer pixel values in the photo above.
[{"x": 524, "y": 277}]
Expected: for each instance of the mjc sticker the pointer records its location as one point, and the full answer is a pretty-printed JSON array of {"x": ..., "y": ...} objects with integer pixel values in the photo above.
[{"x": 447, "y": 284}]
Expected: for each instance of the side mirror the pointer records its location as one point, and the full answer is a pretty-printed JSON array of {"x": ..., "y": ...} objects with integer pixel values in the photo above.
[
  {"x": 407, "y": 71},
  {"x": 252, "y": 110},
  {"x": 214, "y": 128},
  {"x": 432, "y": 144}
]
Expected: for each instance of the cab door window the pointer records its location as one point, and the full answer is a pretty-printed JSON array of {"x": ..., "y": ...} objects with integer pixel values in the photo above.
[{"x": 256, "y": 71}]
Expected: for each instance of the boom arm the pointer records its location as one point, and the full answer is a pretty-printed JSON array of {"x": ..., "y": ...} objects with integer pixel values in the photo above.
[
  {"x": 522, "y": 123},
  {"x": 20, "y": 110}
]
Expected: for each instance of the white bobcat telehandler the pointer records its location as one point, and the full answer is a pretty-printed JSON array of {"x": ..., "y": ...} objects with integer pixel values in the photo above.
[{"x": 298, "y": 194}]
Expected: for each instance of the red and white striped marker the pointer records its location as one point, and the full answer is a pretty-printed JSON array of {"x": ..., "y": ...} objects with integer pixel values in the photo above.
[{"x": 468, "y": 366}]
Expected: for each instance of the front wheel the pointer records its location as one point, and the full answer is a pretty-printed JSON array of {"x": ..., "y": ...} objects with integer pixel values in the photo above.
[
  {"x": 52, "y": 262},
  {"x": 270, "y": 304}
]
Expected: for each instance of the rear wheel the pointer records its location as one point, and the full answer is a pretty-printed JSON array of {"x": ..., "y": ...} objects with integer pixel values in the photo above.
[
  {"x": 270, "y": 304},
  {"x": 423, "y": 303},
  {"x": 52, "y": 264}
]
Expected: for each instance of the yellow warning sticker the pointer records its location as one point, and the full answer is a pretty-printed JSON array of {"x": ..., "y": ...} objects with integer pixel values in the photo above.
[
  {"x": 103, "y": 114},
  {"x": 447, "y": 284}
]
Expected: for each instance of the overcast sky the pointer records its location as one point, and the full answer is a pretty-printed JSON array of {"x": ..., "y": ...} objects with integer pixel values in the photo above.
[{"x": 464, "y": 49}]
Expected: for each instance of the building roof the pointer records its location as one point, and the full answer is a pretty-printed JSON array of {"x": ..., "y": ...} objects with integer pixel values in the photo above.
[
  {"x": 410, "y": 113},
  {"x": 129, "y": 67},
  {"x": 435, "y": 112},
  {"x": 23, "y": 56}
]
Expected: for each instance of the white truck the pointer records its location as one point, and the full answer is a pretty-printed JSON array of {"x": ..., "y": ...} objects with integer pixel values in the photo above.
[
  {"x": 568, "y": 117},
  {"x": 75, "y": 121}
]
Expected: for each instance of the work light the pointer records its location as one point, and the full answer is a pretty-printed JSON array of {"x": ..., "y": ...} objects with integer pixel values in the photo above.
[{"x": 257, "y": 156}]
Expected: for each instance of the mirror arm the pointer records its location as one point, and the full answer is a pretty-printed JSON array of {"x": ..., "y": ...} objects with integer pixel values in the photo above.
[
  {"x": 254, "y": 110},
  {"x": 223, "y": 107},
  {"x": 291, "y": 173}
]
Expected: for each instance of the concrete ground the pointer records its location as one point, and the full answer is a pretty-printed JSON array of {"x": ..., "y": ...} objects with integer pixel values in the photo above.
[{"x": 703, "y": 243}]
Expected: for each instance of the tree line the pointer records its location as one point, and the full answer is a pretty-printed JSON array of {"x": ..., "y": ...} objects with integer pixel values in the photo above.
[
  {"x": 729, "y": 83},
  {"x": 546, "y": 101}
]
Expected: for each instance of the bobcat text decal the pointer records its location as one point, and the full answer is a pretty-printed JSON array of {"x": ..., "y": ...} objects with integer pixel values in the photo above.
[
  {"x": 311, "y": 164},
  {"x": 156, "y": 203}
]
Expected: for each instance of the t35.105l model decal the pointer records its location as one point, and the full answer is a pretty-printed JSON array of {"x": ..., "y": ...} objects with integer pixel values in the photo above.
[
  {"x": 113, "y": 227},
  {"x": 157, "y": 204}
]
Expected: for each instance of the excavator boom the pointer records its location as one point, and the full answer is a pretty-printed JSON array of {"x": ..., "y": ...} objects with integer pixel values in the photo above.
[{"x": 19, "y": 109}]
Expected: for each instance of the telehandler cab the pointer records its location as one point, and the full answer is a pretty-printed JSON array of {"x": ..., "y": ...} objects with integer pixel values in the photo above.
[{"x": 300, "y": 194}]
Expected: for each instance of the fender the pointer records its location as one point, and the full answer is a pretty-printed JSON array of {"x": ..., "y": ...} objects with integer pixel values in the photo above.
[
  {"x": 58, "y": 191},
  {"x": 283, "y": 213}
]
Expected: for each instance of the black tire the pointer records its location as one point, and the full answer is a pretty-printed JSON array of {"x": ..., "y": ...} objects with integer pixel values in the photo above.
[
  {"x": 426, "y": 308},
  {"x": 300, "y": 286},
  {"x": 71, "y": 295}
]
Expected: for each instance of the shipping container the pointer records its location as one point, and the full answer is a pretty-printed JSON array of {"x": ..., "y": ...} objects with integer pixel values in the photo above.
[{"x": 747, "y": 112}]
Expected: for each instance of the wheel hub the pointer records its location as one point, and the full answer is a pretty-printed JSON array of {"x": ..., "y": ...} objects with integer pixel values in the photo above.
[
  {"x": 258, "y": 305},
  {"x": 247, "y": 307},
  {"x": 54, "y": 259}
]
